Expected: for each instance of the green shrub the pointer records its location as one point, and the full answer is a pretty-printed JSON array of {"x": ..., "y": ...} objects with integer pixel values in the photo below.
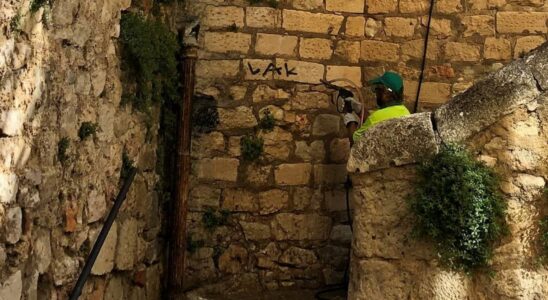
[
  {"x": 35, "y": 5},
  {"x": 267, "y": 122},
  {"x": 62, "y": 148},
  {"x": 458, "y": 206},
  {"x": 213, "y": 219},
  {"x": 150, "y": 57},
  {"x": 87, "y": 129},
  {"x": 251, "y": 147},
  {"x": 15, "y": 23}
]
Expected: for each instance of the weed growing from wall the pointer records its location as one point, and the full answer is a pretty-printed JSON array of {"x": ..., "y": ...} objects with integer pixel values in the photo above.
[
  {"x": 62, "y": 148},
  {"x": 458, "y": 206},
  {"x": 15, "y": 23},
  {"x": 267, "y": 122},
  {"x": 193, "y": 245},
  {"x": 87, "y": 129},
  {"x": 212, "y": 219},
  {"x": 35, "y": 5},
  {"x": 251, "y": 147}
]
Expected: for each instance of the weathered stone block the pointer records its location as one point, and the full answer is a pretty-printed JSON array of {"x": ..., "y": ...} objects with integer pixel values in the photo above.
[
  {"x": 13, "y": 225},
  {"x": 311, "y": 22},
  {"x": 431, "y": 92},
  {"x": 484, "y": 103},
  {"x": 526, "y": 44},
  {"x": 263, "y": 17},
  {"x": 400, "y": 27},
  {"x": 382, "y": 6},
  {"x": 217, "y": 68},
  {"x": 126, "y": 248},
  {"x": 414, "y": 6},
  {"x": 263, "y": 93},
  {"x": 239, "y": 200},
  {"x": 96, "y": 206},
  {"x": 12, "y": 287},
  {"x": 255, "y": 69},
  {"x": 298, "y": 257},
  {"x": 225, "y": 169},
  {"x": 316, "y": 48},
  {"x": 277, "y": 143},
  {"x": 313, "y": 152},
  {"x": 522, "y": 22},
  {"x": 379, "y": 51},
  {"x": 233, "y": 260},
  {"x": 203, "y": 196},
  {"x": 275, "y": 44},
  {"x": 105, "y": 261},
  {"x": 341, "y": 234},
  {"x": 482, "y": 25},
  {"x": 293, "y": 174},
  {"x": 255, "y": 231},
  {"x": 355, "y": 27},
  {"x": 415, "y": 140},
  {"x": 312, "y": 100},
  {"x": 240, "y": 117},
  {"x": 300, "y": 227},
  {"x": 353, "y": 6},
  {"x": 223, "y": 16},
  {"x": 497, "y": 48},
  {"x": 225, "y": 42},
  {"x": 11, "y": 122},
  {"x": 305, "y": 72},
  {"x": 353, "y": 74},
  {"x": 326, "y": 124},
  {"x": 448, "y": 6},
  {"x": 307, "y": 4},
  {"x": 372, "y": 27},
  {"x": 329, "y": 174},
  {"x": 462, "y": 52},
  {"x": 273, "y": 201},
  {"x": 8, "y": 187},
  {"x": 348, "y": 51},
  {"x": 339, "y": 150},
  {"x": 415, "y": 48}
]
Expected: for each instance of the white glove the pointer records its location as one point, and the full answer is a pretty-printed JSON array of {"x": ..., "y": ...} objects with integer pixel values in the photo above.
[{"x": 350, "y": 117}]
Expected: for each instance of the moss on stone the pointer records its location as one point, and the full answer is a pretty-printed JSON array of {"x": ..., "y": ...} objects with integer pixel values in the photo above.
[
  {"x": 251, "y": 147},
  {"x": 87, "y": 129},
  {"x": 62, "y": 148}
]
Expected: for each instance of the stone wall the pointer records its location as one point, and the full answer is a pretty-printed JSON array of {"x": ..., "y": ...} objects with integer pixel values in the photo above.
[
  {"x": 272, "y": 54},
  {"x": 503, "y": 119},
  {"x": 59, "y": 67}
]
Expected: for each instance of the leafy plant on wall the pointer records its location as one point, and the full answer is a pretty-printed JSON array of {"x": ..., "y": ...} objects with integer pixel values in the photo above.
[{"x": 458, "y": 206}]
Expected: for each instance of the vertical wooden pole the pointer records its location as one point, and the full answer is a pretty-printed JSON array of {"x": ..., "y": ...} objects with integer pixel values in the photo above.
[{"x": 178, "y": 230}]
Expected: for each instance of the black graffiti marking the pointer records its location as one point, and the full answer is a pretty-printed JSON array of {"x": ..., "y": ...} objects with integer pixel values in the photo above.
[
  {"x": 272, "y": 68},
  {"x": 253, "y": 72},
  {"x": 288, "y": 71}
]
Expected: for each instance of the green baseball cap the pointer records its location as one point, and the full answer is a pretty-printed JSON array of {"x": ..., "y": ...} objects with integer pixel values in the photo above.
[{"x": 390, "y": 80}]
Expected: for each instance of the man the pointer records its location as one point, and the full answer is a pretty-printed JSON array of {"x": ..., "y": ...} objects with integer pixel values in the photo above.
[{"x": 389, "y": 93}]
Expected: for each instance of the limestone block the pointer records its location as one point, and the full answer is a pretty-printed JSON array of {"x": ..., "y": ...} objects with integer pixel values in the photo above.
[
  {"x": 353, "y": 74},
  {"x": 8, "y": 187},
  {"x": 314, "y": 152},
  {"x": 298, "y": 257},
  {"x": 64, "y": 269},
  {"x": 439, "y": 27},
  {"x": 255, "y": 231},
  {"x": 217, "y": 68},
  {"x": 415, "y": 48},
  {"x": 204, "y": 196},
  {"x": 400, "y": 27},
  {"x": 329, "y": 174},
  {"x": 42, "y": 252},
  {"x": 526, "y": 44},
  {"x": 293, "y": 174},
  {"x": 325, "y": 124},
  {"x": 256, "y": 69},
  {"x": 379, "y": 51},
  {"x": 309, "y": 100},
  {"x": 341, "y": 234},
  {"x": 223, "y": 16},
  {"x": 273, "y": 201},
  {"x": 294, "y": 20},
  {"x": 258, "y": 175},
  {"x": 431, "y": 92},
  {"x": 263, "y": 17},
  {"x": 414, "y": 6},
  {"x": 382, "y": 6},
  {"x": 233, "y": 260},
  {"x": 275, "y": 44},
  {"x": 352, "y": 6},
  {"x": 482, "y": 25},
  {"x": 307, "y": 4},
  {"x": 448, "y": 6},
  {"x": 105, "y": 261},
  {"x": 277, "y": 143},
  {"x": 225, "y": 169},
  {"x": 11, "y": 121},
  {"x": 208, "y": 145},
  {"x": 304, "y": 72},
  {"x": 287, "y": 226},
  {"x": 316, "y": 48},
  {"x": 13, "y": 226},
  {"x": 348, "y": 51},
  {"x": 237, "y": 93},
  {"x": 240, "y": 117},
  {"x": 355, "y": 26},
  {"x": 12, "y": 287},
  {"x": 339, "y": 150},
  {"x": 497, "y": 48},
  {"x": 335, "y": 201},
  {"x": 462, "y": 52},
  {"x": 96, "y": 206},
  {"x": 484, "y": 103},
  {"x": 372, "y": 27},
  {"x": 415, "y": 139},
  {"x": 521, "y": 22},
  {"x": 226, "y": 42},
  {"x": 234, "y": 146},
  {"x": 307, "y": 198},
  {"x": 263, "y": 93},
  {"x": 239, "y": 200},
  {"x": 126, "y": 248}
]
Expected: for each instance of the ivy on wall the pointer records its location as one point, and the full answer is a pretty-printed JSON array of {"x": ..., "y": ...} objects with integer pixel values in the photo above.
[{"x": 458, "y": 206}]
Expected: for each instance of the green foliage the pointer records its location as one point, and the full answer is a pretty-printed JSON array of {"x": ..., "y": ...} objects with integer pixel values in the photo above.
[
  {"x": 15, "y": 23},
  {"x": 62, "y": 148},
  {"x": 251, "y": 147},
  {"x": 544, "y": 238},
  {"x": 192, "y": 245},
  {"x": 458, "y": 206},
  {"x": 150, "y": 55},
  {"x": 87, "y": 129},
  {"x": 267, "y": 122},
  {"x": 35, "y": 5},
  {"x": 127, "y": 166},
  {"x": 213, "y": 219}
]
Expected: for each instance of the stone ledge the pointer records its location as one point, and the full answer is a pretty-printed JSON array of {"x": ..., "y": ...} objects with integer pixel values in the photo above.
[{"x": 394, "y": 142}]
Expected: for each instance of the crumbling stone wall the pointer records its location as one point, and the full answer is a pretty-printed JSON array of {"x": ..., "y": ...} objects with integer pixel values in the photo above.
[
  {"x": 59, "y": 67},
  {"x": 271, "y": 54},
  {"x": 503, "y": 119}
]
